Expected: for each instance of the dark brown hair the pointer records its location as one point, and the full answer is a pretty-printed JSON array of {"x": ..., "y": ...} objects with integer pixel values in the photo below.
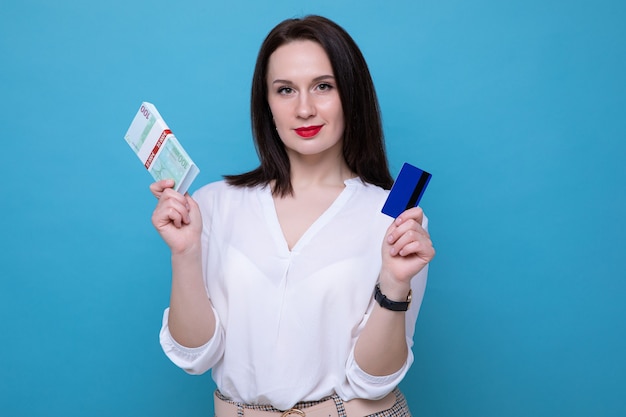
[{"x": 363, "y": 141}]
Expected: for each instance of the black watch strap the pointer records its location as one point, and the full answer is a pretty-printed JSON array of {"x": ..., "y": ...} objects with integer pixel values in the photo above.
[{"x": 391, "y": 305}]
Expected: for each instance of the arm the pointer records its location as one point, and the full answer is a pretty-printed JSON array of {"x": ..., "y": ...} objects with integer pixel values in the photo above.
[
  {"x": 177, "y": 218},
  {"x": 382, "y": 346}
]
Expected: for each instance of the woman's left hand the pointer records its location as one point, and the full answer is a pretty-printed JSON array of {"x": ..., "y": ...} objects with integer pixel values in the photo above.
[{"x": 406, "y": 249}]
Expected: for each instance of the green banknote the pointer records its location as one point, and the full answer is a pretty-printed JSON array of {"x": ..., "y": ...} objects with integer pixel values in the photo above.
[
  {"x": 170, "y": 162},
  {"x": 159, "y": 150}
]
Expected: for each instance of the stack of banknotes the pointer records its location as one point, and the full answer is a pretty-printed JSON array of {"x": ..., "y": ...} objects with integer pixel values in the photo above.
[{"x": 159, "y": 150}]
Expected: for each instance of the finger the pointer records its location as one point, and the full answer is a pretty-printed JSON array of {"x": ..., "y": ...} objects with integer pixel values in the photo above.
[
  {"x": 395, "y": 232},
  {"x": 166, "y": 216},
  {"x": 404, "y": 239},
  {"x": 169, "y": 194},
  {"x": 171, "y": 211},
  {"x": 414, "y": 213},
  {"x": 191, "y": 204},
  {"x": 405, "y": 235},
  {"x": 158, "y": 187},
  {"x": 183, "y": 210},
  {"x": 422, "y": 247},
  {"x": 176, "y": 217},
  {"x": 190, "y": 200}
]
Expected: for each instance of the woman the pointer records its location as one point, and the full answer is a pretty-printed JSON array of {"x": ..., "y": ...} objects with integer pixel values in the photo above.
[{"x": 287, "y": 281}]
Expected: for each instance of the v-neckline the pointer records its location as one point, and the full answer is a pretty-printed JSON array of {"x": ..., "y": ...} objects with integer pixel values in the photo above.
[{"x": 271, "y": 216}]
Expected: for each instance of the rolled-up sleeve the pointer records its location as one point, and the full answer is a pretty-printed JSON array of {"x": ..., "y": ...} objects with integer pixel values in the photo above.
[
  {"x": 196, "y": 360},
  {"x": 364, "y": 385}
]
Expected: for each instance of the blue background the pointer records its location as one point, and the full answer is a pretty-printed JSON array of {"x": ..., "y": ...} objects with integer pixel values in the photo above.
[{"x": 516, "y": 107}]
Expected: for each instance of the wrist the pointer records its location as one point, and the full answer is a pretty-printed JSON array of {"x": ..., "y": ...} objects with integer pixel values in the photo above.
[
  {"x": 192, "y": 251},
  {"x": 390, "y": 304},
  {"x": 393, "y": 289}
]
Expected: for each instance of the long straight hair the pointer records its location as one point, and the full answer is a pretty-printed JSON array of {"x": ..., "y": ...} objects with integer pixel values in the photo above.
[{"x": 363, "y": 140}]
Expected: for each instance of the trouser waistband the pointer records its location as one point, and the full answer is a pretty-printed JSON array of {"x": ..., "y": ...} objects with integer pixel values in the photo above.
[{"x": 328, "y": 408}]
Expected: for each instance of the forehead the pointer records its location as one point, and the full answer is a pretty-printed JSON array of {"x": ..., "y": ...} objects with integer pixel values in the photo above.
[{"x": 300, "y": 58}]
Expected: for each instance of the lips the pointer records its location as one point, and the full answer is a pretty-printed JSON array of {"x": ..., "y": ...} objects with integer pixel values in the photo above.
[{"x": 308, "y": 131}]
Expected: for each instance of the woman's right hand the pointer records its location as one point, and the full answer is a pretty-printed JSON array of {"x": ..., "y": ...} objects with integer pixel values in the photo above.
[{"x": 176, "y": 217}]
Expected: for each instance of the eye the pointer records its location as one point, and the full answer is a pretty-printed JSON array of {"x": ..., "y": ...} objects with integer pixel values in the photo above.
[
  {"x": 285, "y": 90},
  {"x": 324, "y": 87}
]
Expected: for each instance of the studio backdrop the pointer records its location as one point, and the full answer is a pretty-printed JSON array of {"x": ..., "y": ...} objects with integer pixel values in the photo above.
[{"x": 515, "y": 107}]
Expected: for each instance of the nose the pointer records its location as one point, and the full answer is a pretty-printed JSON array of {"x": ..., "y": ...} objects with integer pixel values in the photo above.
[{"x": 306, "y": 106}]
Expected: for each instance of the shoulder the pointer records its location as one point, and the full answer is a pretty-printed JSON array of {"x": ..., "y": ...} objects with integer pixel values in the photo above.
[
  {"x": 209, "y": 190},
  {"x": 365, "y": 204},
  {"x": 222, "y": 189},
  {"x": 367, "y": 195},
  {"x": 221, "y": 195}
]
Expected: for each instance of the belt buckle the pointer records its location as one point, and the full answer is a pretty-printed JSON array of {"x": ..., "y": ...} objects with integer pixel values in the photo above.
[{"x": 293, "y": 411}]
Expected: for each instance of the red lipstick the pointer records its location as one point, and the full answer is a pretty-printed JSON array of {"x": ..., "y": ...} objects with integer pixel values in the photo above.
[{"x": 308, "y": 131}]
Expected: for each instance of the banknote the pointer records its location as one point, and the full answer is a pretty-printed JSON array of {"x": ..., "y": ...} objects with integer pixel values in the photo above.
[{"x": 159, "y": 150}]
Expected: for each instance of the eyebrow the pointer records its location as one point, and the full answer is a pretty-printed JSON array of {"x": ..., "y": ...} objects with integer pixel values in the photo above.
[{"x": 315, "y": 80}]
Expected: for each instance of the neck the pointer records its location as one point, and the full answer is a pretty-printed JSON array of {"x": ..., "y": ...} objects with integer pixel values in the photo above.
[{"x": 313, "y": 172}]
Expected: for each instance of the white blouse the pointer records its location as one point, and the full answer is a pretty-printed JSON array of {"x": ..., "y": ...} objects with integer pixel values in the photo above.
[{"x": 288, "y": 320}]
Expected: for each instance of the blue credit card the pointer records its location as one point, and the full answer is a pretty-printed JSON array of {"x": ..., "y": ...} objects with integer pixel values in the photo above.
[{"x": 407, "y": 190}]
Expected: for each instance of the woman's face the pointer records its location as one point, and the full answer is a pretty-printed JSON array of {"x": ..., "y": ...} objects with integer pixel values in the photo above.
[{"x": 304, "y": 100}]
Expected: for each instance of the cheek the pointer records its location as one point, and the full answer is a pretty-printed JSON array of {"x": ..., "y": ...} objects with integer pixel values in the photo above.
[
  {"x": 338, "y": 118},
  {"x": 280, "y": 121},
  {"x": 278, "y": 114},
  {"x": 333, "y": 110}
]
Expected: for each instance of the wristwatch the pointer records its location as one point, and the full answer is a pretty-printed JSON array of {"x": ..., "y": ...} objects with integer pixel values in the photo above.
[{"x": 392, "y": 305}]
